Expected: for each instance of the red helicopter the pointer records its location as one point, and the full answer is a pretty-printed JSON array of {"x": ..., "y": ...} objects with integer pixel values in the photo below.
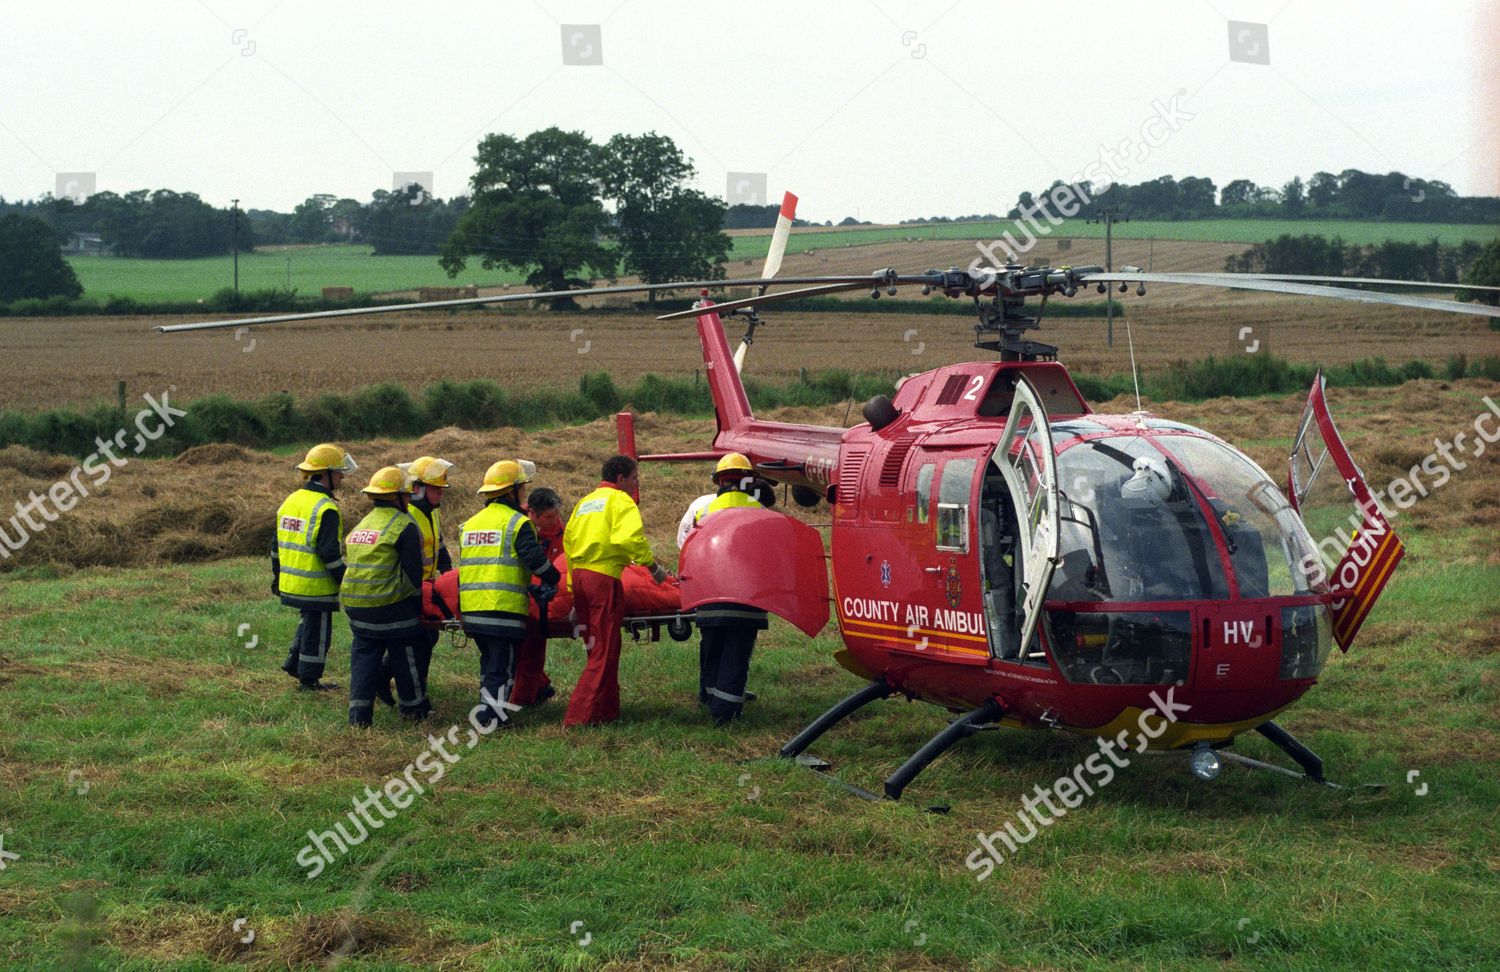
[{"x": 1001, "y": 550}]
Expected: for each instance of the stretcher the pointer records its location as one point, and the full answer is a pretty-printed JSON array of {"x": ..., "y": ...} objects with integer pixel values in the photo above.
[{"x": 650, "y": 608}]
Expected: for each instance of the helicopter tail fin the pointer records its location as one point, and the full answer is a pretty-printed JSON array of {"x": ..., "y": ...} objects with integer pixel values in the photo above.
[{"x": 730, "y": 402}]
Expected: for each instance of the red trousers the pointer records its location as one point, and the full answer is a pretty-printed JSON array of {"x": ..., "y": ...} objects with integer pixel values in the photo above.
[
  {"x": 599, "y": 607},
  {"x": 531, "y": 666}
]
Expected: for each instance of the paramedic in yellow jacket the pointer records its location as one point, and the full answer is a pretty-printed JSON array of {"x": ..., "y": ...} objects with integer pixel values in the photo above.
[
  {"x": 603, "y": 535},
  {"x": 729, "y": 630},
  {"x": 307, "y": 561}
]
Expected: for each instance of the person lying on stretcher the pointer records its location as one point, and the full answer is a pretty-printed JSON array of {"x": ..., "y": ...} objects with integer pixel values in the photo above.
[{"x": 643, "y": 598}]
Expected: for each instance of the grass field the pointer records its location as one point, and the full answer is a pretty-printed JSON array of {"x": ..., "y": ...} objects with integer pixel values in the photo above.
[
  {"x": 753, "y": 243},
  {"x": 313, "y": 268},
  {"x": 159, "y": 778}
]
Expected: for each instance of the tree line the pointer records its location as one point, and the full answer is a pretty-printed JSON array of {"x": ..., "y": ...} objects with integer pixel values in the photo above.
[
  {"x": 1350, "y": 194},
  {"x": 1393, "y": 259},
  {"x": 143, "y": 223}
]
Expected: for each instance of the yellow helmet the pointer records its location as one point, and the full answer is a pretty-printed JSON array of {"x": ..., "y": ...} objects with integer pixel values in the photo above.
[
  {"x": 327, "y": 458},
  {"x": 502, "y": 476},
  {"x": 733, "y": 463},
  {"x": 427, "y": 469},
  {"x": 388, "y": 482}
]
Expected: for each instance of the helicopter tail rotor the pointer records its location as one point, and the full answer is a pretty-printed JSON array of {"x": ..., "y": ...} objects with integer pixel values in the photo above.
[{"x": 773, "y": 263}]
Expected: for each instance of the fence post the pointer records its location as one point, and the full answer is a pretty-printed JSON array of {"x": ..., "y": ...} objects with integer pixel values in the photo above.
[{"x": 120, "y": 395}]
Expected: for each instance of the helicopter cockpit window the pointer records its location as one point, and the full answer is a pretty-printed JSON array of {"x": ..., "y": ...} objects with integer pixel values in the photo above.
[
  {"x": 1131, "y": 528},
  {"x": 1269, "y": 547},
  {"x": 953, "y": 505}
]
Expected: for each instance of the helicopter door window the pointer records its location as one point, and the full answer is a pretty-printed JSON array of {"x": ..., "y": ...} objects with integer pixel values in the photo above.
[
  {"x": 953, "y": 505},
  {"x": 1027, "y": 463},
  {"x": 924, "y": 491}
]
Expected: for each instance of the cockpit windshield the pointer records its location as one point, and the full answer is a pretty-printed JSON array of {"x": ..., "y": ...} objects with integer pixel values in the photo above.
[
  {"x": 1133, "y": 526},
  {"x": 1269, "y": 546}
]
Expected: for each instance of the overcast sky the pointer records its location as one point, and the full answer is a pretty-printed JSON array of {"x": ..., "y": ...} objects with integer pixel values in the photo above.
[{"x": 883, "y": 110}]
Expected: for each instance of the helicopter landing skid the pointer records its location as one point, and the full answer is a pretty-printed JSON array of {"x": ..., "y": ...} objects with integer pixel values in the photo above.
[
  {"x": 959, "y": 729},
  {"x": 1310, "y": 762},
  {"x": 878, "y": 689}
]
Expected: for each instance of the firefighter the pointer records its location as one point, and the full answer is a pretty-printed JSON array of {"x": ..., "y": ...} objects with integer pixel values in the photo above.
[
  {"x": 729, "y": 630},
  {"x": 532, "y": 687},
  {"x": 498, "y": 554},
  {"x": 603, "y": 535},
  {"x": 382, "y": 594},
  {"x": 307, "y": 563},
  {"x": 429, "y": 481}
]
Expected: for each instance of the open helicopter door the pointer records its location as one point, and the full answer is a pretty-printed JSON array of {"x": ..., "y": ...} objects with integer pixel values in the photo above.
[
  {"x": 761, "y": 558},
  {"x": 1362, "y": 548},
  {"x": 1029, "y": 465}
]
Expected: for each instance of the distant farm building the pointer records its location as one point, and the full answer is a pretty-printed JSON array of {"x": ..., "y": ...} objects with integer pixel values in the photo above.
[{"x": 87, "y": 244}]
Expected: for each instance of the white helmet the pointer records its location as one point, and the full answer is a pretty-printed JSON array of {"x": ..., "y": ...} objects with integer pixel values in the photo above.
[{"x": 1150, "y": 486}]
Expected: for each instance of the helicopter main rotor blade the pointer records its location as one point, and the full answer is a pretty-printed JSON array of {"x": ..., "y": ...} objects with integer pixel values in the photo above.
[
  {"x": 1231, "y": 280},
  {"x": 1375, "y": 281},
  {"x": 763, "y": 299},
  {"x": 864, "y": 281}
]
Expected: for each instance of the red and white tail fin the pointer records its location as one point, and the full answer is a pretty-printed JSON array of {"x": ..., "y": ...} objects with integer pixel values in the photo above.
[{"x": 773, "y": 261}]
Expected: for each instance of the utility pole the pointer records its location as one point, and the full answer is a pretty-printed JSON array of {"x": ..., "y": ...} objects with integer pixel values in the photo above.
[
  {"x": 1109, "y": 216},
  {"x": 234, "y": 216}
]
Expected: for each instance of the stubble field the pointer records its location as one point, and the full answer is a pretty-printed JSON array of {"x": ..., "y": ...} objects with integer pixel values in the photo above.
[{"x": 77, "y": 361}]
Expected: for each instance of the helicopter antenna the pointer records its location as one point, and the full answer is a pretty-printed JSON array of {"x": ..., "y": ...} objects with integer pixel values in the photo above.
[{"x": 1135, "y": 374}]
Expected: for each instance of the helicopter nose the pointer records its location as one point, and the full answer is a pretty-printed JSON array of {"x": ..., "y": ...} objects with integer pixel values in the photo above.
[{"x": 1237, "y": 649}]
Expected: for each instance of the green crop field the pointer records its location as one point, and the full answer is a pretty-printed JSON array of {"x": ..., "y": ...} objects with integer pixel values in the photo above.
[
  {"x": 312, "y": 268},
  {"x": 1205, "y": 230},
  {"x": 160, "y": 779}
]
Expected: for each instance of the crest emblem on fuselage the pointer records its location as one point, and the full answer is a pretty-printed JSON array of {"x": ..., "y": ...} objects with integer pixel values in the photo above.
[{"x": 953, "y": 586}]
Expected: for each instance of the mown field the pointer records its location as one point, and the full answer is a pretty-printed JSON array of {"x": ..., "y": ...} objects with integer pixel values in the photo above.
[
  {"x": 158, "y": 776},
  {"x": 308, "y": 269}
]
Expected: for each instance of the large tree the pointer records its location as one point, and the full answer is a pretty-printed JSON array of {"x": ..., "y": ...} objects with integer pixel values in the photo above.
[
  {"x": 1484, "y": 272},
  {"x": 31, "y": 265},
  {"x": 666, "y": 230},
  {"x": 536, "y": 207},
  {"x": 311, "y": 221}
]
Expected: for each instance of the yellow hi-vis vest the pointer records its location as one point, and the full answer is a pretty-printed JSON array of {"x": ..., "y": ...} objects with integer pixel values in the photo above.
[
  {"x": 431, "y": 530},
  {"x": 727, "y": 501},
  {"x": 374, "y": 577},
  {"x": 302, "y": 574},
  {"x": 491, "y": 576},
  {"x": 605, "y": 533}
]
